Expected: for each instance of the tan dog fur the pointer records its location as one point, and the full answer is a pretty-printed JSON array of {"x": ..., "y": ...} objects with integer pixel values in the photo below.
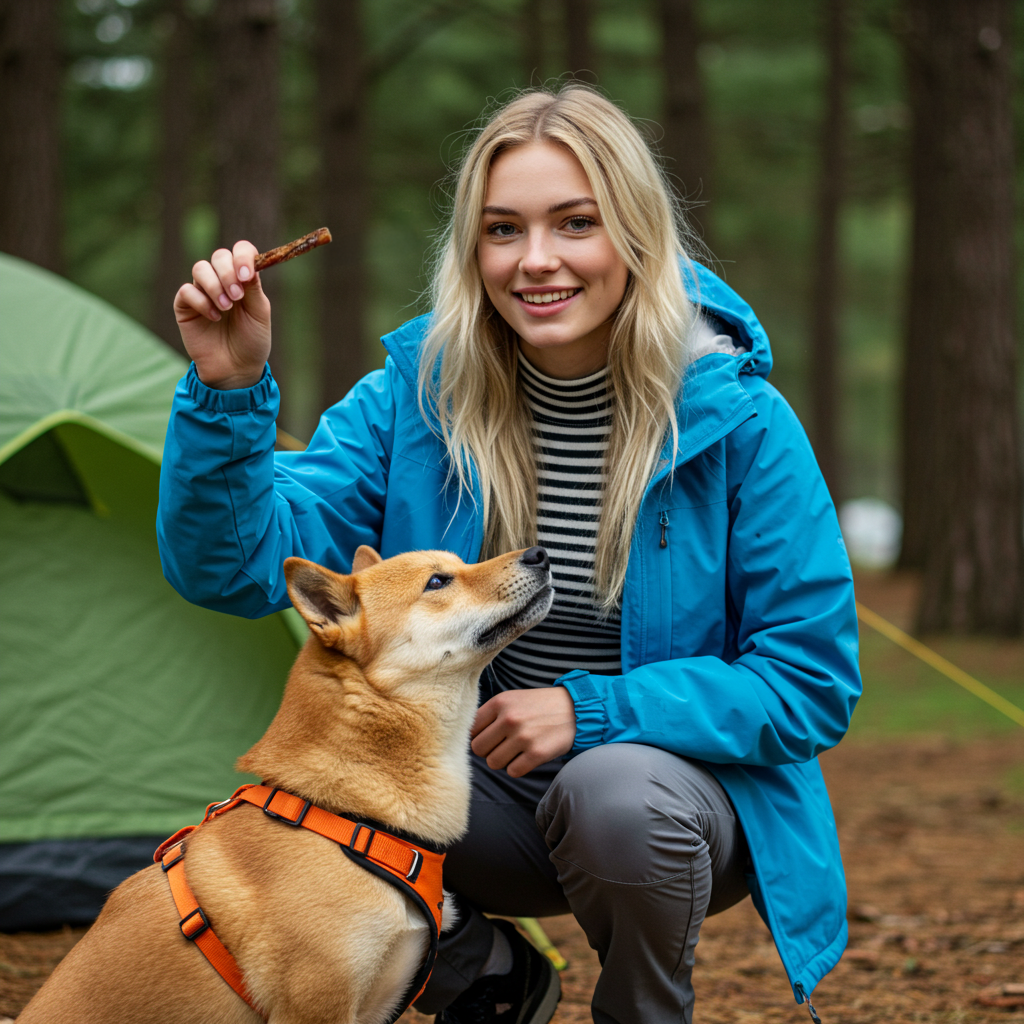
[{"x": 374, "y": 723}]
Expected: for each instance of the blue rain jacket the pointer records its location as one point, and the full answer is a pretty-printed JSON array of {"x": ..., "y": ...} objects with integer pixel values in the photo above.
[{"x": 739, "y": 637}]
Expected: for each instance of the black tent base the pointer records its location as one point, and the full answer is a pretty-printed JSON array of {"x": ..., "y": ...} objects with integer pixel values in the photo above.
[{"x": 48, "y": 884}]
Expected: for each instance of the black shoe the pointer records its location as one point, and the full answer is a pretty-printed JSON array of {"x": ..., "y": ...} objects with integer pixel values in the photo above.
[{"x": 528, "y": 994}]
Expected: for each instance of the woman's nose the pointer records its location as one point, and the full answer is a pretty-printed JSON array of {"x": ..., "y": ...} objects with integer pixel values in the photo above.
[{"x": 540, "y": 256}]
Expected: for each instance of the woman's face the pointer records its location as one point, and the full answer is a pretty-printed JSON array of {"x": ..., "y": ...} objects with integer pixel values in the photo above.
[{"x": 546, "y": 260}]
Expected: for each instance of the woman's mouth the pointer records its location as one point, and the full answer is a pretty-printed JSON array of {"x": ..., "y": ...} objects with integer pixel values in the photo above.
[{"x": 546, "y": 303}]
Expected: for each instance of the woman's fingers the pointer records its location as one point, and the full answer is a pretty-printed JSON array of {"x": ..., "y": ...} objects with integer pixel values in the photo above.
[
  {"x": 204, "y": 276},
  {"x": 520, "y": 729},
  {"x": 191, "y": 301},
  {"x": 224, "y": 265},
  {"x": 244, "y": 256},
  {"x": 224, "y": 276}
]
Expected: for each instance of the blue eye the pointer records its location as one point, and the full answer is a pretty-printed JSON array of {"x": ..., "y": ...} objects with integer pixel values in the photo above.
[
  {"x": 502, "y": 230},
  {"x": 437, "y": 581}
]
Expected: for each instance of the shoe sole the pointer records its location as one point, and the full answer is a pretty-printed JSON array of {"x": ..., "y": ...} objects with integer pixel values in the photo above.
[{"x": 549, "y": 1001}]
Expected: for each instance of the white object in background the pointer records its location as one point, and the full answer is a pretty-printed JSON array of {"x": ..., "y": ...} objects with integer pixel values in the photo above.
[{"x": 871, "y": 530}]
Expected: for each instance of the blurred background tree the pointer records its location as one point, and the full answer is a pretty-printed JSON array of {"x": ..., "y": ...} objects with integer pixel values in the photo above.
[
  {"x": 962, "y": 486},
  {"x": 181, "y": 120},
  {"x": 30, "y": 87}
]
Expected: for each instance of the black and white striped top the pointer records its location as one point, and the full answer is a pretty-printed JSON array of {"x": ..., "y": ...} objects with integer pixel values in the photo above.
[{"x": 571, "y": 426}]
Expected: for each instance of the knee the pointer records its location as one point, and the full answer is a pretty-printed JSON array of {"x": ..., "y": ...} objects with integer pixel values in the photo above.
[{"x": 609, "y": 809}]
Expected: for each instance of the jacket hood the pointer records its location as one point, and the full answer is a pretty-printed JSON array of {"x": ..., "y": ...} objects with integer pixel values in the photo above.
[{"x": 705, "y": 289}]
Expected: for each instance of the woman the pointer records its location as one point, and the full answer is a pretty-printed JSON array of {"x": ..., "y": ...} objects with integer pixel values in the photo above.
[{"x": 579, "y": 384}]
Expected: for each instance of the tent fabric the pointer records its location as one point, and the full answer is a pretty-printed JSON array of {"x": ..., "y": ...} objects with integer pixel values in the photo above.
[
  {"x": 122, "y": 707},
  {"x": 65, "y": 881}
]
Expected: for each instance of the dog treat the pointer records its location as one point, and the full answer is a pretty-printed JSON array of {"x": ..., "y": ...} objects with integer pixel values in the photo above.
[{"x": 287, "y": 252}]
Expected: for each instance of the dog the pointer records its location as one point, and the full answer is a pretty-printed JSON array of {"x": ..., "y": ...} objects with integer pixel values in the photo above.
[{"x": 374, "y": 724}]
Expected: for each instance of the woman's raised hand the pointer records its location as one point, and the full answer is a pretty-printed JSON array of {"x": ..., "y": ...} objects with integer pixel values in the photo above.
[{"x": 224, "y": 319}]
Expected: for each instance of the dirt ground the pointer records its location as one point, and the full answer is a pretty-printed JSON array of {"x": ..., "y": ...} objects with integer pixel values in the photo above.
[{"x": 932, "y": 834}]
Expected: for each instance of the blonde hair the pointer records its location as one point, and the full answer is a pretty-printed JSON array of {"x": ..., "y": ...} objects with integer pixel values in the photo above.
[{"x": 468, "y": 366}]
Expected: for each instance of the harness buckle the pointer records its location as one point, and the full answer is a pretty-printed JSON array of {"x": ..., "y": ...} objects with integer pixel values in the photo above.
[
  {"x": 166, "y": 865},
  {"x": 295, "y": 822},
  {"x": 417, "y": 863},
  {"x": 355, "y": 835},
  {"x": 193, "y": 935}
]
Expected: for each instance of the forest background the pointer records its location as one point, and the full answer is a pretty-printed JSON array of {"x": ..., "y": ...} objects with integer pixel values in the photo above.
[
  {"x": 355, "y": 114},
  {"x": 145, "y": 132}
]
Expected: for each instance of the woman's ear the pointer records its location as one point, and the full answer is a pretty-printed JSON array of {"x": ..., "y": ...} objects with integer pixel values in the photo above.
[
  {"x": 326, "y": 600},
  {"x": 364, "y": 557}
]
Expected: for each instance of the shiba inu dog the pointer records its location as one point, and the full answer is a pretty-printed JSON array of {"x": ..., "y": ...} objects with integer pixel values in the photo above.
[{"x": 374, "y": 724}]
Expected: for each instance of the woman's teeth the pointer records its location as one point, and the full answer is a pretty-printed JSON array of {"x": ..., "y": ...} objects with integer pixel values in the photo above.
[{"x": 548, "y": 296}]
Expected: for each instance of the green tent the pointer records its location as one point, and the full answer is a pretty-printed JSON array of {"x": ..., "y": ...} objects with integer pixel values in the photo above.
[{"x": 122, "y": 706}]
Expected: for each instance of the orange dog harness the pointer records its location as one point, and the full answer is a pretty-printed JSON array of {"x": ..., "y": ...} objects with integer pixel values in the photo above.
[{"x": 412, "y": 869}]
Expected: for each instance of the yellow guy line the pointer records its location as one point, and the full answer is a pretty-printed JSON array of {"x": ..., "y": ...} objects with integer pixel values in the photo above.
[
  {"x": 532, "y": 927},
  {"x": 939, "y": 663}
]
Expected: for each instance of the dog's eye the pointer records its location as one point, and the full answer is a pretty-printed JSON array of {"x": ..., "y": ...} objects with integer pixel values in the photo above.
[{"x": 437, "y": 581}]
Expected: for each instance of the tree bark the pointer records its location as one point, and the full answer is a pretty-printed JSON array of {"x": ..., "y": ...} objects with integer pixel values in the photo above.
[
  {"x": 175, "y": 140},
  {"x": 825, "y": 299},
  {"x": 686, "y": 144},
  {"x": 962, "y": 453},
  {"x": 248, "y": 139},
  {"x": 577, "y": 31},
  {"x": 341, "y": 95},
  {"x": 30, "y": 222}
]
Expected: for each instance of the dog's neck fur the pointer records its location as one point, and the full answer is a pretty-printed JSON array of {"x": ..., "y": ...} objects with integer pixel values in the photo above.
[{"x": 402, "y": 760}]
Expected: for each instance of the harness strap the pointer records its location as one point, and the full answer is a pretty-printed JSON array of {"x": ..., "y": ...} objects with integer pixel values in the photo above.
[
  {"x": 412, "y": 869},
  {"x": 196, "y": 928}
]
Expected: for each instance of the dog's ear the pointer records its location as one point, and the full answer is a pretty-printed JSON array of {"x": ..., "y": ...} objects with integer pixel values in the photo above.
[
  {"x": 325, "y": 599},
  {"x": 364, "y": 557}
]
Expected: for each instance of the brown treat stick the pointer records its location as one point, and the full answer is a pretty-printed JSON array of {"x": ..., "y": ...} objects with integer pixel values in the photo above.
[{"x": 287, "y": 252}]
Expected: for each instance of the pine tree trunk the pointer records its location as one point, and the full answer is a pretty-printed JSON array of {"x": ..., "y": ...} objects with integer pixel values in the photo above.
[
  {"x": 825, "y": 300},
  {"x": 341, "y": 94},
  {"x": 175, "y": 130},
  {"x": 686, "y": 145},
  {"x": 30, "y": 132},
  {"x": 578, "y": 34},
  {"x": 964, "y": 495},
  {"x": 248, "y": 140}
]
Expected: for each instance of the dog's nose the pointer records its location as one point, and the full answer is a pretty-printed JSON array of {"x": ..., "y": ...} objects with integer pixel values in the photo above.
[{"x": 536, "y": 556}]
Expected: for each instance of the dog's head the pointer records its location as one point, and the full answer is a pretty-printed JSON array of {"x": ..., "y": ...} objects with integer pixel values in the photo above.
[{"x": 421, "y": 610}]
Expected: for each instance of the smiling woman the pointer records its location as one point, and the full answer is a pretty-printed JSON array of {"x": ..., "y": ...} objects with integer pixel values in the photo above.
[
  {"x": 646, "y": 755},
  {"x": 558, "y": 194}
]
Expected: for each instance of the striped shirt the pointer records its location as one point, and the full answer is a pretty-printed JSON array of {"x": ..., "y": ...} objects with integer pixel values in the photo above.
[
  {"x": 572, "y": 421},
  {"x": 571, "y": 426}
]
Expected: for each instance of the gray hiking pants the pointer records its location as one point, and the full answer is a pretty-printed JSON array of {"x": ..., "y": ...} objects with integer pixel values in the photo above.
[{"x": 639, "y": 844}]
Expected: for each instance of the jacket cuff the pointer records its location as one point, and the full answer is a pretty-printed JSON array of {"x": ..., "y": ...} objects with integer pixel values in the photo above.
[
  {"x": 238, "y": 400},
  {"x": 591, "y": 720}
]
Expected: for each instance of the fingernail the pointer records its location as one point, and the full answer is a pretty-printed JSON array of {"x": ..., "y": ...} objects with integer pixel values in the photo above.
[
  {"x": 235, "y": 291},
  {"x": 223, "y": 301},
  {"x": 214, "y": 315},
  {"x": 244, "y": 274}
]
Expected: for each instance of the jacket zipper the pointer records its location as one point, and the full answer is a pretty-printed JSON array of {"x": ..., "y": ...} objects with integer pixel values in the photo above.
[{"x": 663, "y": 519}]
